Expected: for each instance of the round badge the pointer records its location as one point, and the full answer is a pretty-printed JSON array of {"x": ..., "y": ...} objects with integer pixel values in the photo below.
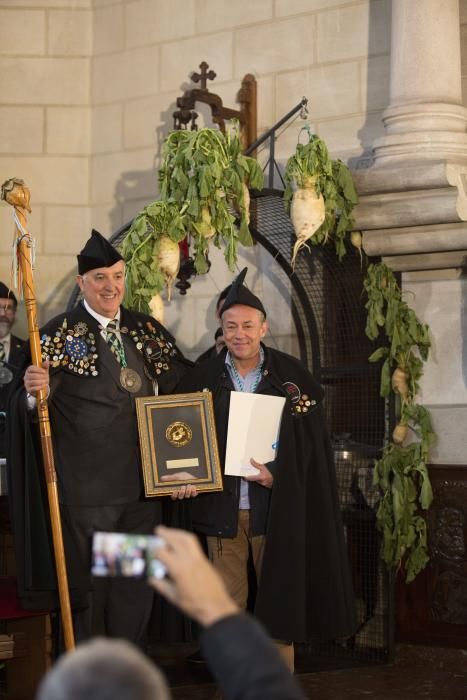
[
  {"x": 178, "y": 434},
  {"x": 77, "y": 347},
  {"x": 292, "y": 391},
  {"x": 130, "y": 380},
  {"x": 80, "y": 328},
  {"x": 6, "y": 375},
  {"x": 152, "y": 349}
]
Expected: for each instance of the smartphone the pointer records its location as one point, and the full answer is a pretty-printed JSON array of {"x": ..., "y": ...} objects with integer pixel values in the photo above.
[{"x": 121, "y": 554}]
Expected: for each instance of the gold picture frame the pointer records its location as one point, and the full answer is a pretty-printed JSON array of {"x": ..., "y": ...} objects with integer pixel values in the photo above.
[{"x": 178, "y": 442}]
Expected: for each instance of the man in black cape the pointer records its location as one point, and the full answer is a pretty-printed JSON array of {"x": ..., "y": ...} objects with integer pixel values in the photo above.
[
  {"x": 11, "y": 354},
  {"x": 97, "y": 358},
  {"x": 287, "y": 515}
]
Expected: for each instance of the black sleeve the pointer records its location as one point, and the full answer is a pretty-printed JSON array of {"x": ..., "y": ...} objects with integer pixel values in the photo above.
[
  {"x": 168, "y": 382},
  {"x": 246, "y": 663}
]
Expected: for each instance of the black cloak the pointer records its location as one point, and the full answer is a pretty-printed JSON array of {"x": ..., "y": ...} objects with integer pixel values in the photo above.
[
  {"x": 163, "y": 361},
  {"x": 305, "y": 589}
]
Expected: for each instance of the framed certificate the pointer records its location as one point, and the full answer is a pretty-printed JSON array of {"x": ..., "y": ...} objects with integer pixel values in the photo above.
[{"x": 178, "y": 442}]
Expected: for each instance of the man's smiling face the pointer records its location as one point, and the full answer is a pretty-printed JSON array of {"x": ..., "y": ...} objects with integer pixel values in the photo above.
[{"x": 103, "y": 288}]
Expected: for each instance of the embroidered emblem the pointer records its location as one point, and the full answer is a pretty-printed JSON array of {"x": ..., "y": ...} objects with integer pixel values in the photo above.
[
  {"x": 292, "y": 391},
  {"x": 178, "y": 434},
  {"x": 76, "y": 348},
  {"x": 152, "y": 349}
]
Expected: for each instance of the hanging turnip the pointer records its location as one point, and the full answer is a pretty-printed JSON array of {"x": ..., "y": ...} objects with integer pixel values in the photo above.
[
  {"x": 399, "y": 382},
  {"x": 204, "y": 227},
  {"x": 399, "y": 433},
  {"x": 307, "y": 213},
  {"x": 151, "y": 253},
  {"x": 246, "y": 202},
  {"x": 320, "y": 195},
  {"x": 356, "y": 239},
  {"x": 156, "y": 306},
  {"x": 167, "y": 253}
]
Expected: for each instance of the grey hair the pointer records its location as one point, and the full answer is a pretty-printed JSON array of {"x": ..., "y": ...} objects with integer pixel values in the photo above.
[{"x": 104, "y": 669}]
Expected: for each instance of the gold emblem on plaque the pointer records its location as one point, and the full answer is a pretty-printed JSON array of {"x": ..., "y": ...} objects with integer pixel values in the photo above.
[{"x": 178, "y": 434}]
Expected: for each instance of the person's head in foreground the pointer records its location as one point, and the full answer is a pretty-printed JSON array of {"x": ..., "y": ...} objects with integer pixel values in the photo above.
[{"x": 104, "y": 669}]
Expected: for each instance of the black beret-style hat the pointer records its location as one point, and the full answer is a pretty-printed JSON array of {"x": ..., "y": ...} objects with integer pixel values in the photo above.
[
  {"x": 239, "y": 294},
  {"x": 6, "y": 293},
  {"x": 97, "y": 252}
]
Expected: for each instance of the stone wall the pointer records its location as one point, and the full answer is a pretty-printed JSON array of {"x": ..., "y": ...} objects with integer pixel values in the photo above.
[
  {"x": 45, "y": 122},
  {"x": 87, "y": 90}
]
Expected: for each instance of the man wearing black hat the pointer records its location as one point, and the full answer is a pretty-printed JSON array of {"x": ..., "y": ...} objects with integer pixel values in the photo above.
[
  {"x": 286, "y": 516},
  {"x": 10, "y": 354},
  {"x": 98, "y": 358}
]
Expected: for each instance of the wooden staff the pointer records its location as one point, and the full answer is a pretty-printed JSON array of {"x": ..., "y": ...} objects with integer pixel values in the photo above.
[{"x": 17, "y": 194}]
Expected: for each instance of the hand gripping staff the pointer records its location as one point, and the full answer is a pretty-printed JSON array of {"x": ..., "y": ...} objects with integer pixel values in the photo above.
[{"x": 17, "y": 194}]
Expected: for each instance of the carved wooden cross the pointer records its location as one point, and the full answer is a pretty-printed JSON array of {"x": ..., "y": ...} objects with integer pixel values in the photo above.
[{"x": 204, "y": 76}]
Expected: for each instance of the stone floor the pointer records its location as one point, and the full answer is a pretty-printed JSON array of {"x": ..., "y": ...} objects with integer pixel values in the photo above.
[
  {"x": 428, "y": 673},
  {"x": 417, "y": 672}
]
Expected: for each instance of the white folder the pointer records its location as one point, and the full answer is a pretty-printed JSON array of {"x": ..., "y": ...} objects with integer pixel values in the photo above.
[{"x": 253, "y": 431}]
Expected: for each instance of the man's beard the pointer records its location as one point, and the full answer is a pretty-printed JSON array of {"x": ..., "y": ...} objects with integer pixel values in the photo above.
[{"x": 5, "y": 326}]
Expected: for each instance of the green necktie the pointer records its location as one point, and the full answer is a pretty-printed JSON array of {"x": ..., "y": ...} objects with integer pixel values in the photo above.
[{"x": 116, "y": 345}]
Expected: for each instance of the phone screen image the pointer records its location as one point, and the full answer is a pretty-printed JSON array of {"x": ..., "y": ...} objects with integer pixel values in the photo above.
[{"x": 128, "y": 555}]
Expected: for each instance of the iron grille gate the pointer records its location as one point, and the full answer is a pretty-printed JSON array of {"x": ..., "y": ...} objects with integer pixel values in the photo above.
[{"x": 328, "y": 312}]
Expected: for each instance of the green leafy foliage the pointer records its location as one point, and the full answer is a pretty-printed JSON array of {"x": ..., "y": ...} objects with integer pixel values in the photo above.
[
  {"x": 202, "y": 179},
  {"x": 333, "y": 180},
  {"x": 143, "y": 278},
  {"x": 401, "y": 473},
  {"x": 206, "y": 171}
]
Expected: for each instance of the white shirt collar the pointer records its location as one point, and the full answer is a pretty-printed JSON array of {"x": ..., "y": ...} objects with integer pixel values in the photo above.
[{"x": 102, "y": 320}]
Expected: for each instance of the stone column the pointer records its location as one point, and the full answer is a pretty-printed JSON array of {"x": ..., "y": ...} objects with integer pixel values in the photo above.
[
  {"x": 425, "y": 118},
  {"x": 413, "y": 200}
]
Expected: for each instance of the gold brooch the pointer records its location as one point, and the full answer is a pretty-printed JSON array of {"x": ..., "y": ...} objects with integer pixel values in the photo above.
[{"x": 80, "y": 328}]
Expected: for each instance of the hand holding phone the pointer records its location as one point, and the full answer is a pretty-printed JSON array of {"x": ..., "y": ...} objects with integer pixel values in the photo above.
[{"x": 192, "y": 583}]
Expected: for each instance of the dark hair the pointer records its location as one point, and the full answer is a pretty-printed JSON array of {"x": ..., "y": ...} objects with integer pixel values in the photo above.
[{"x": 218, "y": 333}]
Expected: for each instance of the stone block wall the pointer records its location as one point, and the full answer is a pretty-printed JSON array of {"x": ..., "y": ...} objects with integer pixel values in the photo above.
[
  {"x": 87, "y": 91},
  {"x": 45, "y": 122}
]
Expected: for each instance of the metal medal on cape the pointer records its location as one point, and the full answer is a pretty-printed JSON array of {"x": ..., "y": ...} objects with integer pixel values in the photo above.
[
  {"x": 6, "y": 375},
  {"x": 130, "y": 380}
]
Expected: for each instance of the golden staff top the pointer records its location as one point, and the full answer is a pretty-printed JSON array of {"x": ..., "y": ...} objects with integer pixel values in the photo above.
[{"x": 15, "y": 192}]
